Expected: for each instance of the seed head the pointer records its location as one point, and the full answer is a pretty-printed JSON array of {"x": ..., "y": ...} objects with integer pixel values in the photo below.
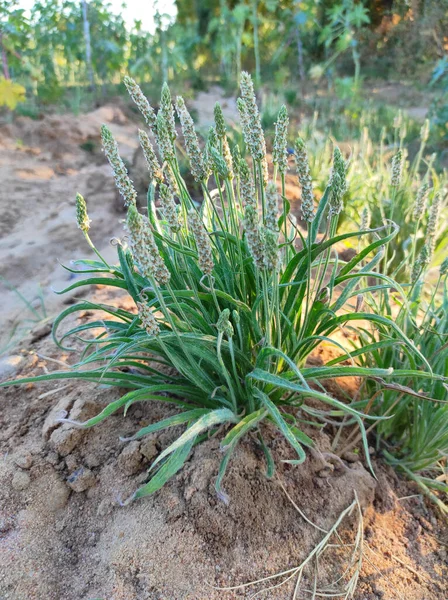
[
  {"x": 335, "y": 202},
  {"x": 271, "y": 220},
  {"x": 365, "y": 219},
  {"x": 144, "y": 248},
  {"x": 169, "y": 208},
  {"x": 421, "y": 201},
  {"x": 444, "y": 267},
  {"x": 211, "y": 144},
  {"x": 433, "y": 222},
  {"x": 205, "y": 254},
  {"x": 81, "y": 214},
  {"x": 164, "y": 139},
  {"x": 171, "y": 179},
  {"x": 236, "y": 159},
  {"x": 279, "y": 152},
  {"x": 167, "y": 112},
  {"x": 220, "y": 123},
  {"x": 148, "y": 319},
  {"x": 425, "y": 255},
  {"x": 142, "y": 103},
  {"x": 254, "y": 235},
  {"x": 416, "y": 270},
  {"x": 227, "y": 156},
  {"x": 424, "y": 131},
  {"x": 338, "y": 182},
  {"x": 251, "y": 122},
  {"x": 224, "y": 325},
  {"x": 340, "y": 168},
  {"x": 304, "y": 175},
  {"x": 271, "y": 253},
  {"x": 155, "y": 172},
  {"x": 219, "y": 164},
  {"x": 122, "y": 181},
  {"x": 247, "y": 186},
  {"x": 397, "y": 169},
  {"x": 191, "y": 141},
  {"x": 423, "y": 260}
]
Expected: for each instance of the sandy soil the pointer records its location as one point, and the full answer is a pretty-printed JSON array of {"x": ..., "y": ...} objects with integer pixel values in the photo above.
[
  {"x": 42, "y": 166},
  {"x": 63, "y": 533}
]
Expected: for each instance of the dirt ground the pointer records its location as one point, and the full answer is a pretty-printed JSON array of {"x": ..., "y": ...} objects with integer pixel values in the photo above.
[{"x": 63, "y": 533}]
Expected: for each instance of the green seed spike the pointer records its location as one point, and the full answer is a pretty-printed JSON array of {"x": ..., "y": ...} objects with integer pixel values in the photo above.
[
  {"x": 280, "y": 152},
  {"x": 444, "y": 268},
  {"x": 220, "y": 123},
  {"x": 167, "y": 112},
  {"x": 82, "y": 217},
  {"x": 148, "y": 319},
  {"x": 122, "y": 181},
  {"x": 224, "y": 325},
  {"x": 205, "y": 254},
  {"x": 144, "y": 248},
  {"x": 397, "y": 169},
  {"x": 142, "y": 103},
  {"x": 304, "y": 175},
  {"x": 198, "y": 169}
]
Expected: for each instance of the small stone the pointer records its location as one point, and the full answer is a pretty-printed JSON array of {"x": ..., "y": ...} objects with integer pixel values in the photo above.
[
  {"x": 11, "y": 365},
  {"x": 20, "y": 480},
  {"x": 130, "y": 458},
  {"x": 81, "y": 479},
  {"x": 149, "y": 448},
  {"x": 23, "y": 459}
]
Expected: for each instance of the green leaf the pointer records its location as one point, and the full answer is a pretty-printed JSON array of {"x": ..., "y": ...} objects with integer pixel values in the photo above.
[
  {"x": 237, "y": 432},
  {"x": 169, "y": 468},
  {"x": 180, "y": 419},
  {"x": 283, "y": 426},
  {"x": 213, "y": 417}
]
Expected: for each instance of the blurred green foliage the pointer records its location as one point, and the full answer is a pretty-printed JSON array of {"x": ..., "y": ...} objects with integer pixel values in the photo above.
[{"x": 287, "y": 44}]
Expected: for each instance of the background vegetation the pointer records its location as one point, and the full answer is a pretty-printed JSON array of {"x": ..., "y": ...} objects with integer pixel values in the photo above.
[{"x": 289, "y": 45}]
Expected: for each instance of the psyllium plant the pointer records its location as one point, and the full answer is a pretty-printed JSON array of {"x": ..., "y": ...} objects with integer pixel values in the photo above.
[
  {"x": 392, "y": 188},
  {"x": 228, "y": 292},
  {"x": 415, "y": 437}
]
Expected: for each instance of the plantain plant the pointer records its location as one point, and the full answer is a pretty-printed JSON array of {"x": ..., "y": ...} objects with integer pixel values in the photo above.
[{"x": 231, "y": 297}]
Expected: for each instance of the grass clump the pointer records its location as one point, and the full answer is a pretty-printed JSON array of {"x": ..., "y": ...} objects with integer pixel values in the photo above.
[
  {"x": 231, "y": 294},
  {"x": 415, "y": 437},
  {"x": 390, "y": 184}
]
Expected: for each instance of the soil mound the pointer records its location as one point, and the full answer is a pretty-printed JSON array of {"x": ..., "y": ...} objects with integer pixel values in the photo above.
[{"x": 64, "y": 535}]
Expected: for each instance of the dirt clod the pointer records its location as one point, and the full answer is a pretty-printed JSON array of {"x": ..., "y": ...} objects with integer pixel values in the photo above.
[
  {"x": 130, "y": 459},
  {"x": 65, "y": 439},
  {"x": 20, "y": 480},
  {"x": 23, "y": 459},
  {"x": 81, "y": 479},
  {"x": 149, "y": 448}
]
